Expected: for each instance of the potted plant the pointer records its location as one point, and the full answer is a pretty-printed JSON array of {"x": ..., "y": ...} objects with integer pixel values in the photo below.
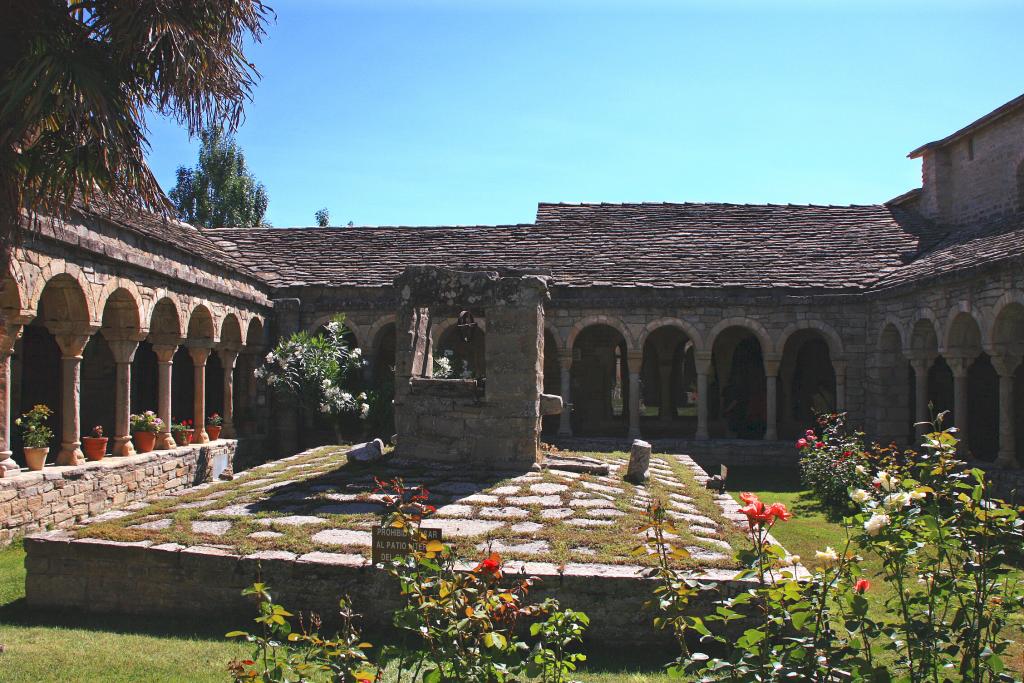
[
  {"x": 144, "y": 429},
  {"x": 214, "y": 424},
  {"x": 35, "y": 435},
  {"x": 95, "y": 446},
  {"x": 182, "y": 432}
]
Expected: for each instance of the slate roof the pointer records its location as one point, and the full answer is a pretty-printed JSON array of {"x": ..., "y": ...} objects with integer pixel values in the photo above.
[
  {"x": 662, "y": 245},
  {"x": 962, "y": 250}
]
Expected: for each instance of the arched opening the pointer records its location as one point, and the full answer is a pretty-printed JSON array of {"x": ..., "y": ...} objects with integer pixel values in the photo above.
[
  {"x": 101, "y": 391},
  {"x": 737, "y": 386},
  {"x": 37, "y": 371},
  {"x": 552, "y": 381},
  {"x": 1008, "y": 351},
  {"x": 383, "y": 370},
  {"x": 668, "y": 376},
  {"x": 894, "y": 382},
  {"x": 182, "y": 385},
  {"x": 983, "y": 409},
  {"x": 600, "y": 382},
  {"x": 807, "y": 382},
  {"x": 248, "y": 391},
  {"x": 144, "y": 379},
  {"x": 940, "y": 390},
  {"x": 466, "y": 354},
  {"x": 98, "y": 379}
]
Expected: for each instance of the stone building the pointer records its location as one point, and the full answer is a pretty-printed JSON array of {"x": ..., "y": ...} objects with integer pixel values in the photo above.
[{"x": 722, "y": 325}]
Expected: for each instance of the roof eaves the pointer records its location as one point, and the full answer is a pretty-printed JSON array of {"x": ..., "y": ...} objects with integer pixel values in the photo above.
[{"x": 994, "y": 115}]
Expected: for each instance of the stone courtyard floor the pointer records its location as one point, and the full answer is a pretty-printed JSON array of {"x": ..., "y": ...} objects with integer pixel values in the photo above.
[{"x": 315, "y": 506}]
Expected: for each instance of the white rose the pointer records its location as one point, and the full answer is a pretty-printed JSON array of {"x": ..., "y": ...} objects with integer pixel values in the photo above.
[
  {"x": 861, "y": 470},
  {"x": 886, "y": 482},
  {"x": 827, "y": 557},
  {"x": 878, "y": 521},
  {"x": 860, "y": 496},
  {"x": 894, "y": 501},
  {"x": 918, "y": 495}
]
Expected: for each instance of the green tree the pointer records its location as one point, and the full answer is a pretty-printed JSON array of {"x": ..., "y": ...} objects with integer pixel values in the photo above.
[
  {"x": 77, "y": 78},
  {"x": 219, "y": 192},
  {"x": 323, "y": 217}
]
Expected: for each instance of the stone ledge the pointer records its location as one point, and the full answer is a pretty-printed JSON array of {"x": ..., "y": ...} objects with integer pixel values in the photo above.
[
  {"x": 64, "y": 572},
  {"x": 59, "y": 497}
]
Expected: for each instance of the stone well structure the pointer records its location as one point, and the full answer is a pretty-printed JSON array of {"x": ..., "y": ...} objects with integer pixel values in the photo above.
[{"x": 491, "y": 422}]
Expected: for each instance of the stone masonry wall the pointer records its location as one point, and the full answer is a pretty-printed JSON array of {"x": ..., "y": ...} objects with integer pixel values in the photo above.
[
  {"x": 87, "y": 574},
  {"x": 59, "y": 497}
]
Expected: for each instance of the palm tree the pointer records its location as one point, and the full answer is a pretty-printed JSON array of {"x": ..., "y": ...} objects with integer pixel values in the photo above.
[{"x": 77, "y": 78}]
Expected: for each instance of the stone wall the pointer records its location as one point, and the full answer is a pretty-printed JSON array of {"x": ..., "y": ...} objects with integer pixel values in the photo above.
[
  {"x": 87, "y": 575},
  {"x": 59, "y": 497},
  {"x": 977, "y": 177}
]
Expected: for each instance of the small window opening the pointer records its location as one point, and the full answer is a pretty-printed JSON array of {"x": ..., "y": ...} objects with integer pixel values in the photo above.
[{"x": 970, "y": 149}]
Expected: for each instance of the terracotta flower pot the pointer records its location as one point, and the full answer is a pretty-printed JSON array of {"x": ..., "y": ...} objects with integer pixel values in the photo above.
[
  {"x": 184, "y": 438},
  {"x": 94, "y": 447},
  {"x": 213, "y": 431},
  {"x": 35, "y": 458},
  {"x": 144, "y": 441}
]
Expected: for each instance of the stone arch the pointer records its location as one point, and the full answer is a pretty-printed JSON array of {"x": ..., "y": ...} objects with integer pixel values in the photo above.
[
  {"x": 589, "y": 321},
  {"x": 550, "y": 331},
  {"x": 377, "y": 327},
  {"x": 122, "y": 287},
  {"x": 254, "y": 332},
  {"x": 689, "y": 330},
  {"x": 122, "y": 313},
  {"x": 64, "y": 305},
  {"x": 599, "y": 377},
  {"x": 807, "y": 379},
  {"x": 1006, "y": 329},
  {"x": 357, "y": 334},
  {"x": 923, "y": 339},
  {"x": 67, "y": 280},
  {"x": 201, "y": 324},
  {"x": 165, "y": 318},
  {"x": 755, "y": 328},
  {"x": 231, "y": 332},
  {"x": 469, "y": 355},
  {"x": 827, "y": 332},
  {"x": 962, "y": 336},
  {"x": 14, "y": 290},
  {"x": 889, "y": 326}
]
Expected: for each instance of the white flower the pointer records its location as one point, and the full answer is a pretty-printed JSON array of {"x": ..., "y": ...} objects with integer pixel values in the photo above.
[
  {"x": 918, "y": 495},
  {"x": 885, "y": 481},
  {"x": 860, "y": 496},
  {"x": 861, "y": 470},
  {"x": 896, "y": 500},
  {"x": 827, "y": 557},
  {"x": 878, "y": 521},
  {"x": 793, "y": 560}
]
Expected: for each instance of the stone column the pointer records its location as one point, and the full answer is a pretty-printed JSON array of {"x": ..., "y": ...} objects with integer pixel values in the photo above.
[
  {"x": 921, "y": 415},
  {"x": 634, "y": 360},
  {"x": 71, "y": 347},
  {"x": 771, "y": 375},
  {"x": 1006, "y": 368},
  {"x": 124, "y": 352},
  {"x": 164, "y": 369},
  {"x": 839, "y": 367},
  {"x": 565, "y": 419},
  {"x": 199, "y": 355},
  {"x": 227, "y": 359},
  {"x": 665, "y": 395},
  {"x": 960, "y": 366},
  {"x": 7, "y": 339},
  {"x": 702, "y": 361}
]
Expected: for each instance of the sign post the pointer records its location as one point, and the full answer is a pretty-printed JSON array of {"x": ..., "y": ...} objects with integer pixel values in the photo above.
[{"x": 389, "y": 542}]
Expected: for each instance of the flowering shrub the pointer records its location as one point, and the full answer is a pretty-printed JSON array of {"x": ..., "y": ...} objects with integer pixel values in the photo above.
[
  {"x": 831, "y": 462},
  {"x": 320, "y": 371},
  {"x": 215, "y": 420},
  {"x": 181, "y": 427},
  {"x": 146, "y": 422},
  {"x": 943, "y": 544},
  {"x": 34, "y": 431}
]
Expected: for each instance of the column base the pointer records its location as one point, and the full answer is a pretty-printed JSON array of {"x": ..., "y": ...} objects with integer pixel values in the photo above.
[
  {"x": 201, "y": 436},
  {"x": 70, "y": 455},
  {"x": 1006, "y": 461},
  {"x": 702, "y": 436},
  {"x": 122, "y": 446},
  {"x": 164, "y": 441},
  {"x": 771, "y": 435}
]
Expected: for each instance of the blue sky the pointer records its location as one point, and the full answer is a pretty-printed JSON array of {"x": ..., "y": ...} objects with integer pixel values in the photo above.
[{"x": 397, "y": 112}]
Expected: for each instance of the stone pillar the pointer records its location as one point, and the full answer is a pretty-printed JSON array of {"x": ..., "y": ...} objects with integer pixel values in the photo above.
[
  {"x": 71, "y": 347},
  {"x": 1006, "y": 368},
  {"x": 124, "y": 352},
  {"x": 771, "y": 374},
  {"x": 565, "y": 420},
  {"x": 839, "y": 367},
  {"x": 7, "y": 339},
  {"x": 634, "y": 360},
  {"x": 199, "y": 355},
  {"x": 164, "y": 369},
  {"x": 921, "y": 416},
  {"x": 228, "y": 357},
  {"x": 702, "y": 361},
  {"x": 665, "y": 394},
  {"x": 960, "y": 366}
]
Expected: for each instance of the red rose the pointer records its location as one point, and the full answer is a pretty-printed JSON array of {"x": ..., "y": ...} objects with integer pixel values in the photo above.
[
  {"x": 779, "y": 511},
  {"x": 748, "y": 497},
  {"x": 820, "y": 444},
  {"x": 490, "y": 565},
  {"x": 862, "y": 585},
  {"x": 809, "y": 433},
  {"x": 801, "y": 443}
]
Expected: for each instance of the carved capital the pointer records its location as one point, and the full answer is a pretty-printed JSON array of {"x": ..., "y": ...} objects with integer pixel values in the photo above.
[
  {"x": 199, "y": 354},
  {"x": 71, "y": 345}
]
